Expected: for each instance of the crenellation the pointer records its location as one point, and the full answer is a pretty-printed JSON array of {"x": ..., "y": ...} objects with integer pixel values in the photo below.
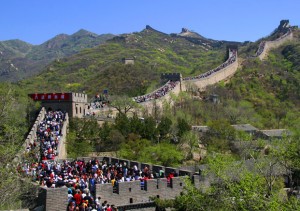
[
  {"x": 126, "y": 193},
  {"x": 169, "y": 170},
  {"x": 135, "y": 163}
]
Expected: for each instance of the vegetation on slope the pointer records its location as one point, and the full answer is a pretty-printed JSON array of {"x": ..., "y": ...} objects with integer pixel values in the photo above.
[
  {"x": 19, "y": 60},
  {"x": 94, "y": 69},
  {"x": 265, "y": 94},
  {"x": 16, "y": 111}
]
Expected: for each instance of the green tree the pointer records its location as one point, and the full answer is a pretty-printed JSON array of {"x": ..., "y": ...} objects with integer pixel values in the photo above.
[
  {"x": 232, "y": 186},
  {"x": 104, "y": 132},
  {"x": 137, "y": 125},
  {"x": 123, "y": 104},
  {"x": 82, "y": 137},
  {"x": 122, "y": 124},
  {"x": 164, "y": 154},
  {"x": 183, "y": 126},
  {"x": 189, "y": 142},
  {"x": 14, "y": 110},
  {"x": 134, "y": 149},
  {"x": 164, "y": 127},
  {"x": 219, "y": 136}
]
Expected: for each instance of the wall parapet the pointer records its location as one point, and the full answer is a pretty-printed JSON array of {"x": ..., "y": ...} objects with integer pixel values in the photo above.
[
  {"x": 62, "y": 152},
  {"x": 126, "y": 194},
  {"x": 32, "y": 136},
  {"x": 266, "y": 46}
]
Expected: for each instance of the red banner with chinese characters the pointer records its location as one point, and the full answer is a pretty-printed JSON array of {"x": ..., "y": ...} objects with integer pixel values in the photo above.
[{"x": 50, "y": 96}]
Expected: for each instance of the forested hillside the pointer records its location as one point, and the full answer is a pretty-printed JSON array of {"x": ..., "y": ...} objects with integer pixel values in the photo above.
[
  {"x": 263, "y": 93},
  {"x": 93, "y": 70},
  {"x": 19, "y": 60}
]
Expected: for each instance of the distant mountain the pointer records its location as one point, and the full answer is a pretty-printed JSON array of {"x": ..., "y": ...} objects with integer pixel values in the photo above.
[
  {"x": 19, "y": 60},
  {"x": 154, "y": 52}
]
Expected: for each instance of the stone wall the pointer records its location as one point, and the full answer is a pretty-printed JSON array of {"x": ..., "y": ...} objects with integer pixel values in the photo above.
[
  {"x": 53, "y": 199},
  {"x": 274, "y": 44},
  {"x": 214, "y": 78},
  {"x": 133, "y": 193},
  {"x": 126, "y": 193},
  {"x": 31, "y": 137},
  {"x": 159, "y": 102},
  {"x": 75, "y": 106},
  {"x": 62, "y": 152},
  {"x": 171, "y": 77}
]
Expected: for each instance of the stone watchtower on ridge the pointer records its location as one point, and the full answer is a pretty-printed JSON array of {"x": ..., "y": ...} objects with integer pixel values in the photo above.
[{"x": 74, "y": 103}]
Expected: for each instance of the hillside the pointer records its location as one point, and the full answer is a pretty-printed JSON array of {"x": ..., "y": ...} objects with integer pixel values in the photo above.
[
  {"x": 19, "y": 60},
  {"x": 93, "y": 70},
  {"x": 264, "y": 93}
]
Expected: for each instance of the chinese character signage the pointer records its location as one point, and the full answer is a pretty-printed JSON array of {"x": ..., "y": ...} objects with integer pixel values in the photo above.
[{"x": 50, "y": 96}]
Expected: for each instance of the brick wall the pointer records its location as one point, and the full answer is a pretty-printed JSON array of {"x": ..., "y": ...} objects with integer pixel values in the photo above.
[
  {"x": 274, "y": 44},
  {"x": 127, "y": 192},
  {"x": 214, "y": 78},
  {"x": 62, "y": 152},
  {"x": 31, "y": 137}
]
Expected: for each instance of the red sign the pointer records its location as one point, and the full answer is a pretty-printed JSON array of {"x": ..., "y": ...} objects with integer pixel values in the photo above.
[{"x": 50, "y": 96}]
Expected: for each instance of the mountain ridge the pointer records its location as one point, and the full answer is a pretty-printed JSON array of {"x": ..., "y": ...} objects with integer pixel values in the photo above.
[{"x": 19, "y": 59}]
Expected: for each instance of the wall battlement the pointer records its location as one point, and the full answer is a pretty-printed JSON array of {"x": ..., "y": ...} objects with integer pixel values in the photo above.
[
  {"x": 171, "y": 77},
  {"x": 75, "y": 104},
  {"x": 31, "y": 137},
  {"x": 126, "y": 193}
]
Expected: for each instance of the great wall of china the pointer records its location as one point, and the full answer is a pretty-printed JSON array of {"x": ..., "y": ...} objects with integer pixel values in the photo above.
[
  {"x": 268, "y": 45},
  {"x": 130, "y": 193},
  {"x": 127, "y": 193},
  {"x": 225, "y": 73}
]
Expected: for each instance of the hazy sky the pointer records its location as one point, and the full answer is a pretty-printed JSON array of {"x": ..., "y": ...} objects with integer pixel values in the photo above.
[{"x": 36, "y": 21}]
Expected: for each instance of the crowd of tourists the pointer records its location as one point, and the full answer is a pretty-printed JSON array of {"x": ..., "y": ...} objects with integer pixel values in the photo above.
[
  {"x": 162, "y": 91},
  {"x": 99, "y": 101},
  {"x": 230, "y": 60},
  {"x": 48, "y": 136},
  {"x": 78, "y": 176},
  {"x": 81, "y": 177}
]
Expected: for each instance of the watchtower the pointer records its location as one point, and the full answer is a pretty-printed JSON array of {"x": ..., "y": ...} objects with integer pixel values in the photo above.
[
  {"x": 74, "y": 103},
  {"x": 128, "y": 61},
  {"x": 171, "y": 77}
]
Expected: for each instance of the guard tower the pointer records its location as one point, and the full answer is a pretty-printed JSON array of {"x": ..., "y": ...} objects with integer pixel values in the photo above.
[
  {"x": 74, "y": 103},
  {"x": 128, "y": 61},
  {"x": 171, "y": 77}
]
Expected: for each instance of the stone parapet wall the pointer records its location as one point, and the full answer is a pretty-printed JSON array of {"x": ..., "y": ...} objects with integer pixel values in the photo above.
[
  {"x": 274, "y": 44},
  {"x": 214, "y": 78},
  {"x": 132, "y": 192},
  {"x": 62, "y": 152},
  {"x": 126, "y": 193},
  {"x": 53, "y": 199},
  {"x": 79, "y": 98},
  {"x": 159, "y": 102},
  {"x": 32, "y": 136}
]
